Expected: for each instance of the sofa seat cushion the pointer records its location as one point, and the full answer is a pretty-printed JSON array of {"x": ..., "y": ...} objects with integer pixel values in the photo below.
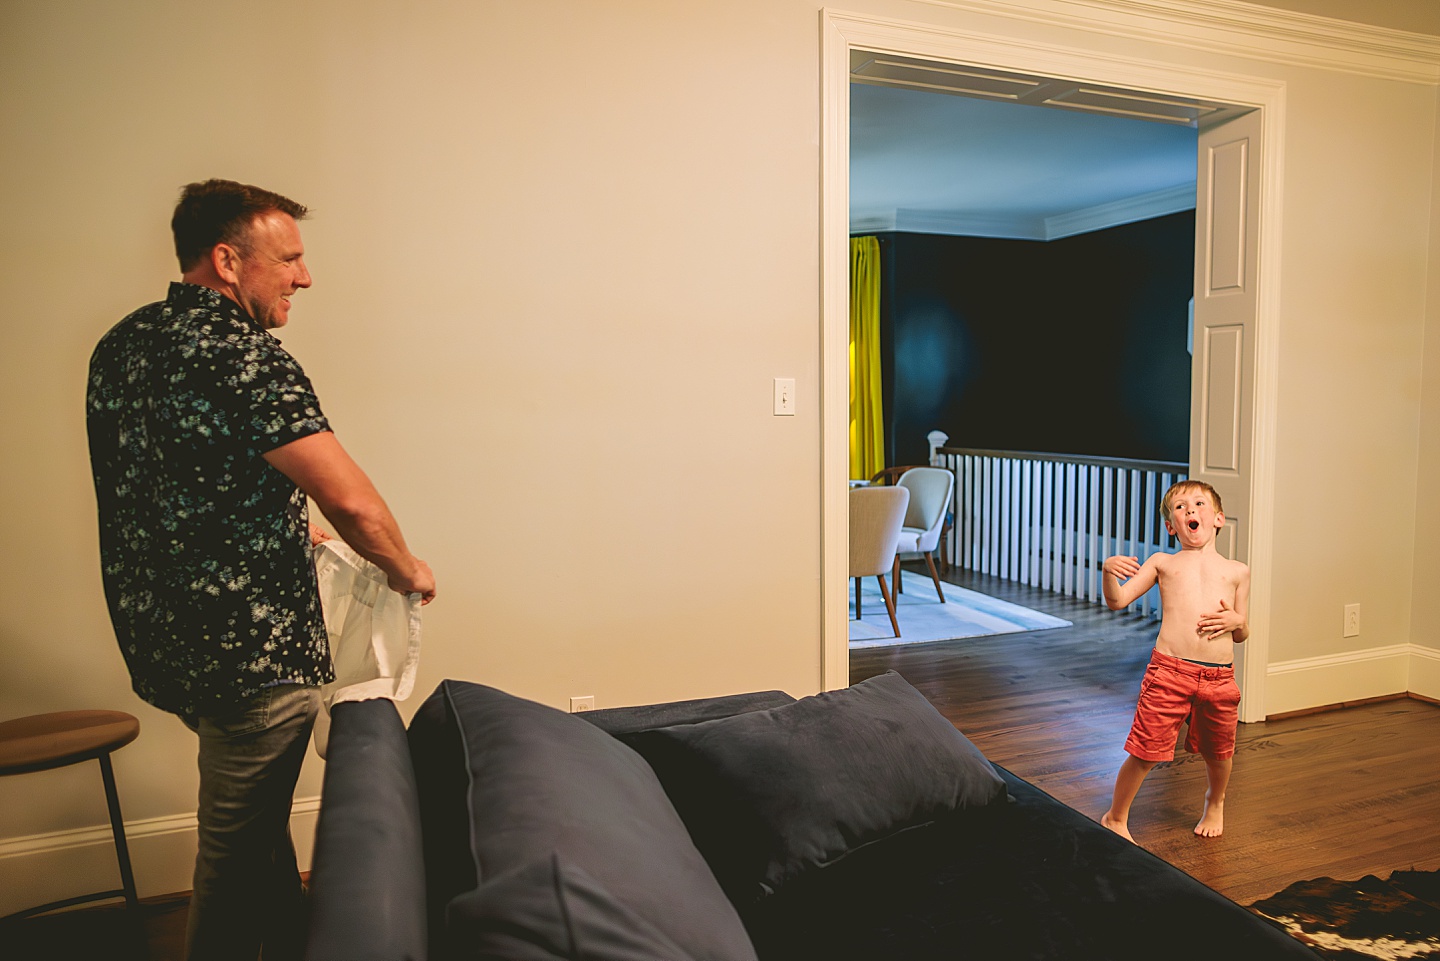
[
  {"x": 773, "y": 794},
  {"x": 534, "y": 784}
]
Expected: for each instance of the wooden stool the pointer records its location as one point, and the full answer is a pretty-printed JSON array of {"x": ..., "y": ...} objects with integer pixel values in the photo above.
[{"x": 44, "y": 741}]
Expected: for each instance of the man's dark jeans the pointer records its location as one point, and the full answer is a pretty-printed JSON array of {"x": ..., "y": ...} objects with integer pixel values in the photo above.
[{"x": 247, "y": 884}]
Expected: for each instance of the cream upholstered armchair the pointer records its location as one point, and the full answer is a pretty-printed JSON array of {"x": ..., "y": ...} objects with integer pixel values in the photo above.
[
  {"x": 876, "y": 514},
  {"x": 930, "y": 491}
]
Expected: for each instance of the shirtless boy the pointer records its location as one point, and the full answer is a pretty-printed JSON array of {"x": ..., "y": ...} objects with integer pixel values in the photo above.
[{"x": 1204, "y": 599}]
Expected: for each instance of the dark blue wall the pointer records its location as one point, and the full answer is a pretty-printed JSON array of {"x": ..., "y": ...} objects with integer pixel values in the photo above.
[{"x": 1073, "y": 346}]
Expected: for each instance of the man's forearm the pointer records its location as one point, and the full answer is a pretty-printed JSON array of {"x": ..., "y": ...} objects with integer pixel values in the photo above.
[
  {"x": 321, "y": 468},
  {"x": 375, "y": 535}
]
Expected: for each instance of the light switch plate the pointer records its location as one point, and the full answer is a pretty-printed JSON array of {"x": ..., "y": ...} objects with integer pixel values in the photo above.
[{"x": 784, "y": 396}]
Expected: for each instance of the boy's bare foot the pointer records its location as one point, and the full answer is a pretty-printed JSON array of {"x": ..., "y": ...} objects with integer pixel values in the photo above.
[
  {"x": 1212, "y": 821},
  {"x": 1119, "y": 827}
]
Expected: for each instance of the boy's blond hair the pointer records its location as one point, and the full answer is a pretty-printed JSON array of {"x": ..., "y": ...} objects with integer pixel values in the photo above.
[{"x": 1188, "y": 484}]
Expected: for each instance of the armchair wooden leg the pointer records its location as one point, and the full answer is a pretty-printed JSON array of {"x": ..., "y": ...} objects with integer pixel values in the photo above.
[
  {"x": 889, "y": 603},
  {"x": 934, "y": 575},
  {"x": 857, "y": 598},
  {"x": 895, "y": 582}
]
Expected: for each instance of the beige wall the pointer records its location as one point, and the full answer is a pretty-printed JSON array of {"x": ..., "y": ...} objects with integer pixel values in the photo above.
[
  {"x": 561, "y": 250},
  {"x": 1425, "y": 592}
]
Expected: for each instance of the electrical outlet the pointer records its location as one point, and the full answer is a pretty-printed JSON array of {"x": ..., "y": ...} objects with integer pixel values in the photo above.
[
  {"x": 1352, "y": 620},
  {"x": 586, "y": 703}
]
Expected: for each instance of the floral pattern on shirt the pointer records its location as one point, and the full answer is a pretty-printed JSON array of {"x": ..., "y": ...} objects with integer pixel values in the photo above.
[{"x": 204, "y": 547}]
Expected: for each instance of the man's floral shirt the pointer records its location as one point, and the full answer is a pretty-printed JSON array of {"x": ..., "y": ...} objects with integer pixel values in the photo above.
[{"x": 204, "y": 547}]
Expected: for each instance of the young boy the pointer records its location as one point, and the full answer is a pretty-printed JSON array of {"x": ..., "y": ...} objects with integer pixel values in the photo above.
[{"x": 1205, "y": 600}]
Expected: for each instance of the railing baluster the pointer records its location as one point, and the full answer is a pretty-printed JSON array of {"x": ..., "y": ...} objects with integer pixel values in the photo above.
[
  {"x": 1149, "y": 533},
  {"x": 1069, "y": 529},
  {"x": 987, "y": 521},
  {"x": 1087, "y": 552},
  {"x": 1006, "y": 556},
  {"x": 1051, "y": 539},
  {"x": 1012, "y": 468},
  {"x": 1110, "y": 526},
  {"x": 1031, "y": 566},
  {"x": 992, "y": 566}
]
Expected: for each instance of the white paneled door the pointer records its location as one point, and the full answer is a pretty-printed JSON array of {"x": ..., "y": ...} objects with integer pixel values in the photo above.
[{"x": 1222, "y": 393}]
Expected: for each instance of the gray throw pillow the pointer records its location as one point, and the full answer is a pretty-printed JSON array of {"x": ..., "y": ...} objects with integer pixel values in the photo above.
[
  {"x": 539, "y": 782},
  {"x": 552, "y": 911},
  {"x": 771, "y": 795}
]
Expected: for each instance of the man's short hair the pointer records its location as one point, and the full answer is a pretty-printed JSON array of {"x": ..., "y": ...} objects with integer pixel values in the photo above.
[{"x": 220, "y": 212}]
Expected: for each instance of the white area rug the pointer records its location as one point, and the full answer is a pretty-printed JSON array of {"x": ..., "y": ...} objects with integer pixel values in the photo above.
[{"x": 923, "y": 618}]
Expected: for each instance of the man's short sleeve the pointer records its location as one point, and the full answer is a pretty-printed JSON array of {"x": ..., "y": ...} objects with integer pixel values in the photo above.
[
  {"x": 269, "y": 398},
  {"x": 282, "y": 405}
]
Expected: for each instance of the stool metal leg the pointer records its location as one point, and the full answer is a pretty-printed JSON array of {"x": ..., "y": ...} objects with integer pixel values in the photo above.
[
  {"x": 117, "y": 827},
  {"x": 122, "y": 854}
]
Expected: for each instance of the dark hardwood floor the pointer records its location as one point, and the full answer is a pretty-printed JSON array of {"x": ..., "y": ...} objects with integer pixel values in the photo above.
[{"x": 1340, "y": 793}]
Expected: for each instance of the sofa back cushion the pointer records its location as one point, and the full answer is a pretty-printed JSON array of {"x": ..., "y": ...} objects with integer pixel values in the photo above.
[
  {"x": 770, "y": 796},
  {"x": 545, "y": 798}
]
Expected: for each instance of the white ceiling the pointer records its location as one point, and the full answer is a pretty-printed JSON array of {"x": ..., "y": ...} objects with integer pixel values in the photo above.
[{"x": 932, "y": 162}]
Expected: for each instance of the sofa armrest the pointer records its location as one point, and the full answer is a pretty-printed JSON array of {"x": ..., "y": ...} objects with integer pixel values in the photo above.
[{"x": 367, "y": 879}]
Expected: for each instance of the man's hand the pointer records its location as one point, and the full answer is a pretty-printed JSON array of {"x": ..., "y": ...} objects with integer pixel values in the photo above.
[
  {"x": 1121, "y": 566},
  {"x": 421, "y": 581},
  {"x": 1219, "y": 623}
]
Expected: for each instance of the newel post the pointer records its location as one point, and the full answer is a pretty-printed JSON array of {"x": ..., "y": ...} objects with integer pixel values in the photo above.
[{"x": 937, "y": 439}]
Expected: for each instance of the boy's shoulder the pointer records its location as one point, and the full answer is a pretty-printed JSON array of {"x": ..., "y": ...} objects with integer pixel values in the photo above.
[{"x": 1176, "y": 558}]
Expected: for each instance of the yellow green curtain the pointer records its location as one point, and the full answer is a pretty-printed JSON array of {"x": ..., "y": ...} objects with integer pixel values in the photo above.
[{"x": 867, "y": 428}]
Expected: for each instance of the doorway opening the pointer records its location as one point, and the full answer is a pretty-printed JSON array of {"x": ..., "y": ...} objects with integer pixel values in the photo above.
[{"x": 1231, "y": 394}]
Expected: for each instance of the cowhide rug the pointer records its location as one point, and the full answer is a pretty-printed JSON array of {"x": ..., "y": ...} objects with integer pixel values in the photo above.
[{"x": 1398, "y": 918}]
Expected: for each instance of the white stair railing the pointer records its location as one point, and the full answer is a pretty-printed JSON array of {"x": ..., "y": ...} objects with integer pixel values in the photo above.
[{"x": 1050, "y": 520}]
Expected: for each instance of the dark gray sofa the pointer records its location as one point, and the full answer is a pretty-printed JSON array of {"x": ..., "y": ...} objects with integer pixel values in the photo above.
[{"x": 856, "y": 824}]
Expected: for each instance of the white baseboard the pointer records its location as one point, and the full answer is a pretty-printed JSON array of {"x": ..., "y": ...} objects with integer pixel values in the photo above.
[
  {"x": 50, "y": 867},
  {"x": 1353, "y": 676},
  {"x": 1425, "y": 672}
]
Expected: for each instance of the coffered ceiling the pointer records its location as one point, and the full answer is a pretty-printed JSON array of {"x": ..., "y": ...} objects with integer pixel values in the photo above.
[{"x": 941, "y": 148}]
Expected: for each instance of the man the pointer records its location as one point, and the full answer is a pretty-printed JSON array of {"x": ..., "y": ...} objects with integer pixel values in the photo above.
[{"x": 205, "y": 439}]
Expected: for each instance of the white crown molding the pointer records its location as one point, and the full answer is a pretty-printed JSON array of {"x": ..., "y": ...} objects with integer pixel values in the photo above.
[
  {"x": 1237, "y": 28},
  {"x": 965, "y": 225},
  {"x": 1158, "y": 203}
]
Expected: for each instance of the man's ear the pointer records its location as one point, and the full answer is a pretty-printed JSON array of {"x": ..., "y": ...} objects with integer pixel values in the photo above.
[{"x": 226, "y": 261}]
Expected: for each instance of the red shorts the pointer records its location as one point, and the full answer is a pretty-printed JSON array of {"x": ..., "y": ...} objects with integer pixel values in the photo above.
[{"x": 1175, "y": 690}]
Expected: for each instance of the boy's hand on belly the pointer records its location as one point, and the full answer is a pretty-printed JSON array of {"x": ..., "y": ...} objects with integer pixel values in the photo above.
[{"x": 1219, "y": 623}]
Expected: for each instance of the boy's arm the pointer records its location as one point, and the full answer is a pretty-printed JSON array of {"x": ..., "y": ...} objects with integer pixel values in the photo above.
[
  {"x": 1139, "y": 579},
  {"x": 1242, "y": 606}
]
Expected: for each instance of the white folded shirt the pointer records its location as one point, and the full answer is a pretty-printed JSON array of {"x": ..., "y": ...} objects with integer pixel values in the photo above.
[{"x": 374, "y": 632}]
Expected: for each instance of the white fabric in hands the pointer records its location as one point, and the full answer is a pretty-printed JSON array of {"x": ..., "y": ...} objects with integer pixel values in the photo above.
[{"x": 374, "y": 633}]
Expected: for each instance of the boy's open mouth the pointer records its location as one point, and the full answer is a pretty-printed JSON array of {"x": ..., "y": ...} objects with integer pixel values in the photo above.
[{"x": 1194, "y": 525}]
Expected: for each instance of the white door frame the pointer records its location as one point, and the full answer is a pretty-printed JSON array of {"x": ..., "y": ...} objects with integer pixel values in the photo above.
[{"x": 843, "y": 31}]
